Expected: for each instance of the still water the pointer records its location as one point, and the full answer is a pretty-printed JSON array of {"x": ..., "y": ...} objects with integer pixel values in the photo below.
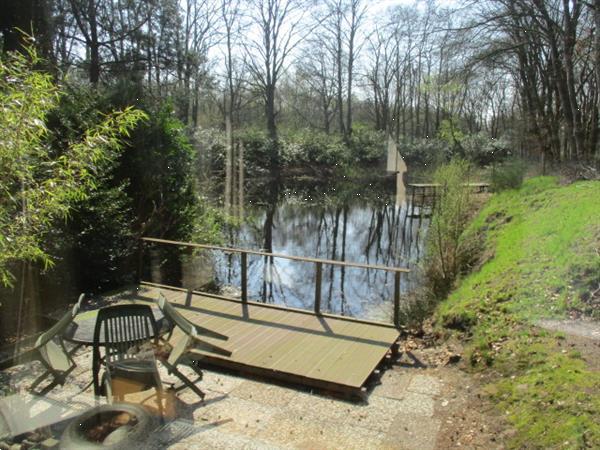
[{"x": 366, "y": 220}]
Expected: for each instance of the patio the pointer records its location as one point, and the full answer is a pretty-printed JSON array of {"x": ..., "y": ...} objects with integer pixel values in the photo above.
[
  {"x": 251, "y": 414},
  {"x": 240, "y": 412}
]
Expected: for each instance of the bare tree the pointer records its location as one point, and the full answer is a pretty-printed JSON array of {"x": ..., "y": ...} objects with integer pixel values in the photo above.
[
  {"x": 99, "y": 29},
  {"x": 230, "y": 16},
  {"x": 278, "y": 23}
]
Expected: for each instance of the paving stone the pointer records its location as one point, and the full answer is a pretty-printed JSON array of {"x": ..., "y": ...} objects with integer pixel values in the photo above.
[
  {"x": 221, "y": 440},
  {"x": 316, "y": 407},
  {"x": 425, "y": 384},
  {"x": 416, "y": 404},
  {"x": 409, "y": 432},
  {"x": 394, "y": 384},
  {"x": 265, "y": 394},
  {"x": 377, "y": 415},
  {"x": 246, "y": 414},
  {"x": 219, "y": 382},
  {"x": 234, "y": 415},
  {"x": 300, "y": 432}
]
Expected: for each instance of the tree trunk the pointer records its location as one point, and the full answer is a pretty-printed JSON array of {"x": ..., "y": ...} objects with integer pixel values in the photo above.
[
  {"x": 93, "y": 44},
  {"x": 270, "y": 111}
]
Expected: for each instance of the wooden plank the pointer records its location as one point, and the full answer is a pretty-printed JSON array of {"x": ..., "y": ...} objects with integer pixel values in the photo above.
[
  {"x": 354, "y": 393},
  {"x": 315, "y": 362},
  {"x": 358, "y": 360},
  {"x": 279, "y": 343},
  {"x": 253, "y": 336},
  {"x": 246, "y": 334},
  {"x": 434, "y": 185},
  {"x": 309, "y": 349},
  {"x": 353, "y": 361}
]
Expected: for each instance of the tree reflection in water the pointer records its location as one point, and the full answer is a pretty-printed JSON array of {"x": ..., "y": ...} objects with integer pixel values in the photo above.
[{"x": 346, "y": 220}]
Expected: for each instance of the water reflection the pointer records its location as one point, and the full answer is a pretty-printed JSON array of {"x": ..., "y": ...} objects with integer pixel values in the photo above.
[{"x": 343, "y": 220}]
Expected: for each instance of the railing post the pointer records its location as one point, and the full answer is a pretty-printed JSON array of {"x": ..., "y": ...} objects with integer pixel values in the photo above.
[
  {"x": 318, "y": 276},
  {"x": 397, "y": 299},
  {"x": 244, "y": 276},
  {"x": 141, "y": 259}
]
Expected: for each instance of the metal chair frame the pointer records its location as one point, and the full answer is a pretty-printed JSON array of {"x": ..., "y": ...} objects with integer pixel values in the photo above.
[
  {"x": 192, "y": 339},
  {"x": 50, "y": 350}
]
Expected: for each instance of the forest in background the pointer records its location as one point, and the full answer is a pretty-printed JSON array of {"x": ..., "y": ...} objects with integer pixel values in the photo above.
[
  {"x": 501, "y": 74},
  {"x": 296, "y": 85}
]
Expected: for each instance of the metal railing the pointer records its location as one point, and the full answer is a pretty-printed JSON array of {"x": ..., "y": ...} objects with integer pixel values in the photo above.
[{"x": 398, "y": 271}]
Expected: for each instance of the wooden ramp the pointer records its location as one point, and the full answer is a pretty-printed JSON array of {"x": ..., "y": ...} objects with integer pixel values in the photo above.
[{"x": 296, "y": 346}]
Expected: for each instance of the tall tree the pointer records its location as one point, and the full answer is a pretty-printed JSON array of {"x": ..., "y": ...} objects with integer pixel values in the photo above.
[
  {"x": 278, "y": 23},
  {"x": 22, "y": 18}
]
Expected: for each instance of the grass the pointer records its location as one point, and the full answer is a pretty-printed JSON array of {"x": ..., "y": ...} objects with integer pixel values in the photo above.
[{"x": 540, "y": 261}]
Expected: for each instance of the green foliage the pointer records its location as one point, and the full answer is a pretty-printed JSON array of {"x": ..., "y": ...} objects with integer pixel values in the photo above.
[
  {"x": 449, "y": 132},
  {"x": 39, "y": 185},
  {"x": 101, "y": 228},
  {"x": 482, "y": 150},
  {"x": 507, "y": 175},
  {"x": 158, "y": 164},
  {"x": 479, "y": 148},
  {"x": 447, "y": 250},
  {"x": 366, "y": 146},
  {"x": 540, "y": 260},
  {"x": 424, "y": 153},
  {"x": 260, "y": 152},
  {"x": 308, "y": 147}
]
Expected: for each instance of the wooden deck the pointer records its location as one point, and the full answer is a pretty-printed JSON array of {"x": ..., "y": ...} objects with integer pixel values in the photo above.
[{"x": 296, "y": 346}]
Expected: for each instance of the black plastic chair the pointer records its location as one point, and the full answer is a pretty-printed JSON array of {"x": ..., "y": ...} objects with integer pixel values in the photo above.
[{"x": 128, "y": 334}]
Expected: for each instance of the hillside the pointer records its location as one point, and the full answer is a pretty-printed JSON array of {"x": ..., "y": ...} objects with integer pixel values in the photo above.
[{"x": 541, "y": 260}]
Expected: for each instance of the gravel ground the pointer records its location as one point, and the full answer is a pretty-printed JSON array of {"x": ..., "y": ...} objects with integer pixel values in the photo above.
[{"x": 414, "y": 407}]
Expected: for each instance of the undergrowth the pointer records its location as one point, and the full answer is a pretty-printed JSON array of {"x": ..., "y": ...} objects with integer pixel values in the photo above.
[{"x": 541, "y": 260}]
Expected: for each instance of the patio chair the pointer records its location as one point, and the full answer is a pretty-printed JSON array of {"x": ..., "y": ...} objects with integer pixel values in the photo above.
[
  {"x": 129, "y": 333},
  {"x": 184, "y": 351},
  {"x": 49, "y": 349}
]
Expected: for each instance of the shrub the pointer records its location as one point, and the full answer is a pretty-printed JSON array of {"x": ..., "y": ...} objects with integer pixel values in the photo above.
[
  {"x": 482, "y": 150},
  {"x": 41, "y": 183},
  {"x": 447, "y": 251},
  {"x": 260, "y": 152},
  {"x": 309, "y": 147},
  {"x": 425, "y": 153},
  {"x": 508, "y": 175},
  {"x": 366, "y": 146}
]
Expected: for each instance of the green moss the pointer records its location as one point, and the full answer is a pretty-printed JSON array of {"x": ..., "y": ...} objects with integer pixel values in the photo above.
[{"x": 543, "y": 240}]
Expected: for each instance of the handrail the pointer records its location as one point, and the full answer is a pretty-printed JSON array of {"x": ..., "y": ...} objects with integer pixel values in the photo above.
[
  {"x": 318, "y": 268},
  {"x": 278, "y": 255}
]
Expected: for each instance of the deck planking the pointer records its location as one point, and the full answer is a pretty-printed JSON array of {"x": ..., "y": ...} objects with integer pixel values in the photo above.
[{"x": 324, "y": 351}]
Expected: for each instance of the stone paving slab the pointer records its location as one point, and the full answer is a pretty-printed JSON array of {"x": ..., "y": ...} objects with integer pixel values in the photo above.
[
  {"x": 412, "y": 432},
  {"x": 393, "y": 383},
  {"x": 426, "y": 385}
]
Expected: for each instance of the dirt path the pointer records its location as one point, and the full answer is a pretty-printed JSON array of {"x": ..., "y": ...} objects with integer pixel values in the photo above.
[
  {"x": 580, "y": 334},
  {"x": 574, "y": 327}
]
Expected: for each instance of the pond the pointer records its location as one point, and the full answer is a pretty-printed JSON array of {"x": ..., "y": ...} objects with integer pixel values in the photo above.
[{"x": 363, "y": 220}]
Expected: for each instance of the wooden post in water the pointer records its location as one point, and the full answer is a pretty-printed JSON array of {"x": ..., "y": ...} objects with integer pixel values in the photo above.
[
  {"x": 244, "y": 276},
  {"x": 318, "y": 276},
  {"x": 397, "y": 299}
]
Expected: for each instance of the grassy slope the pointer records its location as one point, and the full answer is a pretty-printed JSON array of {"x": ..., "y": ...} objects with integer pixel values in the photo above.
[{"x": 542, "y": 260}]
